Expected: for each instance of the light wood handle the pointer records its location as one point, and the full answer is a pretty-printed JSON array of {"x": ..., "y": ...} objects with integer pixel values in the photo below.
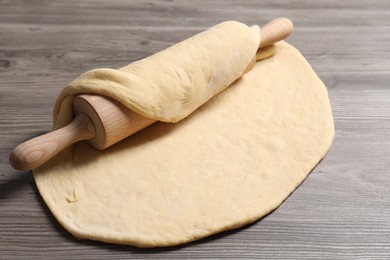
[
  {"x": 275, "y": 31},
  {"x": 36, "y": 151}
]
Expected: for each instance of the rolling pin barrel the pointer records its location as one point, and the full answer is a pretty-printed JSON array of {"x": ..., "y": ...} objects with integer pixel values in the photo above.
[{"x": 112, "y": 120}]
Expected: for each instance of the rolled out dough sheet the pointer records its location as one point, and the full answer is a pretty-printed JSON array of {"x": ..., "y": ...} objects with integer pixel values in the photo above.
[{"x": 228, "y": 164}]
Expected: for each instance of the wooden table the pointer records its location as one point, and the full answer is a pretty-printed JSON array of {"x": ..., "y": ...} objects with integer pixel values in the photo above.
[{"x": 342, "y": 210}]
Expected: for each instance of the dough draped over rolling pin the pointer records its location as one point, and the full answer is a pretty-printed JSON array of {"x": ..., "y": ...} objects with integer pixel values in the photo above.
[{"x": 172, "y": 83}]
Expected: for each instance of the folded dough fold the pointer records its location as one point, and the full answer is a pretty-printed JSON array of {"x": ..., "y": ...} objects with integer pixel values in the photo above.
[{"x": 172, "y": 83}]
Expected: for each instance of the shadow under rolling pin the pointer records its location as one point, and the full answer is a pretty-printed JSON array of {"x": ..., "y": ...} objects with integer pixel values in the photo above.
[{"x": 103, "y": 121}]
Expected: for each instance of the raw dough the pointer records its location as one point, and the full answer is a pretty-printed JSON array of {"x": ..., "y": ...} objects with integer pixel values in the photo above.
[
  {"x": 229, "y": 163},
  {"x": 171, "y": 84}
]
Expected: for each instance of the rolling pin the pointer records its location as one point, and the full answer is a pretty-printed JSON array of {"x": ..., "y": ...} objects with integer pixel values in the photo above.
[{"x": 103, "y": 121}]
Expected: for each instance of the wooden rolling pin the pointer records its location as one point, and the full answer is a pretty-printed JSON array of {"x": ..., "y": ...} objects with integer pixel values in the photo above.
[{"x": 103, "y": 121}]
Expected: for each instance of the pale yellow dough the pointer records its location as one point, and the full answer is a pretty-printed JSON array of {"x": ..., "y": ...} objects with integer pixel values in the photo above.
[
  {"x": 228, "y": 164},
  {"x": 171, "y": 84}
]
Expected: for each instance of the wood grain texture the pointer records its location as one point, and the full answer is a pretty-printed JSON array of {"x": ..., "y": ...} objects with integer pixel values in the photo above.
[{"x": 342, "y": 210}]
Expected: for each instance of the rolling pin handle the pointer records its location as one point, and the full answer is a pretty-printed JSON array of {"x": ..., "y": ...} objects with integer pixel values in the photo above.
[
  {"x": 37, "y": 151},
  {"x": 274, "y": 31}
]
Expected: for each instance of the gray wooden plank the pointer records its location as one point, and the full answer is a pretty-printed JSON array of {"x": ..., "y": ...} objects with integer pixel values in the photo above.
[{"x": 342, "y": 210}]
